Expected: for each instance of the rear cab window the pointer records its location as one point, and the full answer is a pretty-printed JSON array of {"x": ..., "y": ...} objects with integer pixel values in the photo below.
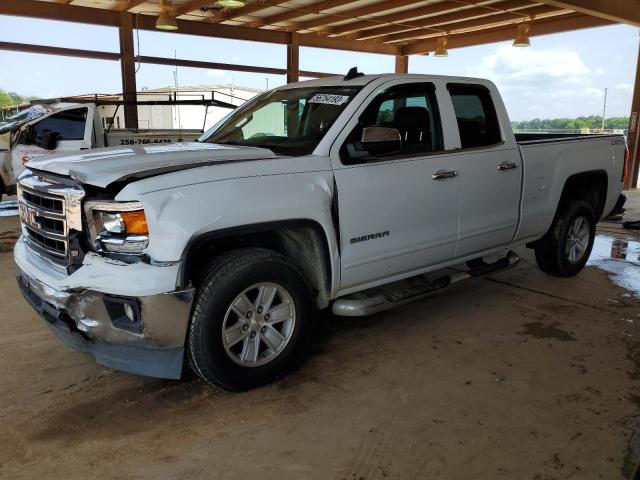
[{"x": 476, "y": 115}]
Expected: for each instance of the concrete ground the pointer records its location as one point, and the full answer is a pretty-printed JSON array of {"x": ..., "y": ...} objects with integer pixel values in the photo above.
[{"x": 516, "y": 376}]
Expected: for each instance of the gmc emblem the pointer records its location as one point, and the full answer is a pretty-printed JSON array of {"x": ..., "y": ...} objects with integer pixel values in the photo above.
[{"x": 29, "y": 216}]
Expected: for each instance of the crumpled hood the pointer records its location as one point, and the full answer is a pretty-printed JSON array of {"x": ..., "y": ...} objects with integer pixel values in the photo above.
[{"x": 104, "y": 166}]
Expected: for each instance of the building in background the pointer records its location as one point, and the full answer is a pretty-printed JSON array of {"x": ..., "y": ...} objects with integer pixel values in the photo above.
[{"x": 163, "y": 117}]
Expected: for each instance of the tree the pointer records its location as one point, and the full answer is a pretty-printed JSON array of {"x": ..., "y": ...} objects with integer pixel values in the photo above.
[
  {"x": 593, "y": 122},
  {"x": 12, "y": 98}
]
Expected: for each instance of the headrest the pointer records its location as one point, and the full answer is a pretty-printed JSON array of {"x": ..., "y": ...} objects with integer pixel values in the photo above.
[{"x": 412, "y": 118}]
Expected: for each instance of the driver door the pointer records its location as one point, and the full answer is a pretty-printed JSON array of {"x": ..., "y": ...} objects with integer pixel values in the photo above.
[
  {"x": 397, "y": 211},
  {"x": 70, "y": 124}
]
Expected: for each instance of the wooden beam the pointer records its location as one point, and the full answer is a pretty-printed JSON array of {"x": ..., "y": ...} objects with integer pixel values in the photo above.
[
  {"x": 52, "y": 11},
  {"x": 77, "y": 53},
  {"x": 129, "y": 4},
  {"x": 231, "y": 67},
  {"x": 565, "y": 23},
  {"x": 402, "y": 64},
  {"x": 190, "y": 6},
  {"x": 293, "y": 59},
  {"x": 353, "y": 14},
  {"x": 384, "y": 20},
  {"x": 206, "y": 29},
  {"x": 225, "y": 13},
  {"x": 297, "y": 12},
  {"x": 128, "y": 70},
  {"x": 94, "y": 16},
  {"x": 619, "y": 11},
  {"x": 542, "y": 11},
  {"x": 469, "y": 13},
  {"x": 345, "y": 44},
  {"x": 634, "y": 133},
  {"x": 63, "y": 52}
]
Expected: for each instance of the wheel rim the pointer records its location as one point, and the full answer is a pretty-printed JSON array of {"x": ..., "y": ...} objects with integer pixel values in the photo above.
[
  {"x": 578, "y": 237},
  {"x": 258, "y": 324}
]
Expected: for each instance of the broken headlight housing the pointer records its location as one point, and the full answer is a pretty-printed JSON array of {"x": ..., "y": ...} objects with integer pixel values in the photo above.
[{"x": 117, "y": 227}]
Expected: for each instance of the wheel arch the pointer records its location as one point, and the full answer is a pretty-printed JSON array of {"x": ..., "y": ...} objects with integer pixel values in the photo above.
[
  {"x": 590, "y": 186},
  {"x": 304, "y": 241}
]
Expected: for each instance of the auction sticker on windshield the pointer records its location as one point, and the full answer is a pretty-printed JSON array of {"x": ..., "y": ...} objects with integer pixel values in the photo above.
[{"x": 328, "y": 99}]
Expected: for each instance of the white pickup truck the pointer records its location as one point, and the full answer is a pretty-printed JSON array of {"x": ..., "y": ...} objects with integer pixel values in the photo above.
[
  {"x": 355, "y": 193},
  {"x": 49, "y": 129}
]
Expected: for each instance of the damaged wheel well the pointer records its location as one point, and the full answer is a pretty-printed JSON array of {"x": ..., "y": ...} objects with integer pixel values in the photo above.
[
  {"x": 303, "y": 241},
  {"x": 588, "y": 186}
]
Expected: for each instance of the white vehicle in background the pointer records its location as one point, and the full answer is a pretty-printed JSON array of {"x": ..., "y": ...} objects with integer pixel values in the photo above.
[
  {"x": 355, "y": 193},
  {"x": 48, "y": 129}
]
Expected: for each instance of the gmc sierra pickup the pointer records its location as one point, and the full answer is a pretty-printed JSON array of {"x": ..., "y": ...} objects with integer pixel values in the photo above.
[{"x": 355, "y": 193}]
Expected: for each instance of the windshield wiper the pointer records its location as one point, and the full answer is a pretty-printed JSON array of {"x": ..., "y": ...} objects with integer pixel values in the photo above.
[{"x": 244, "y": 144}]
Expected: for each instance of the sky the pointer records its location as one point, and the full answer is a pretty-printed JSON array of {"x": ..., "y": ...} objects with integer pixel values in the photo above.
[{"x": 561, "y": 75}]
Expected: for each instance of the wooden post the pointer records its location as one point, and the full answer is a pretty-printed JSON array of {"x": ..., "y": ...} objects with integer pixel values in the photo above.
[
  {"x": 293, "y": 59},
  {"x": 128, "y": 69},
  {"x": 402, "y": 64},
  {"x": 634, "y": 133}
]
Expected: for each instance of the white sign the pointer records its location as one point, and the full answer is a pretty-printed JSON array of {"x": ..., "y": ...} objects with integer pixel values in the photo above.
[{"x": 328, "y": 99}]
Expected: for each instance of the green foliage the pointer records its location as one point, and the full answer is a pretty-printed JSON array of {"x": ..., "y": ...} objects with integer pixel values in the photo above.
[
  {"x": 593, "y": 121},
  {"x": 12, "y": 98}
]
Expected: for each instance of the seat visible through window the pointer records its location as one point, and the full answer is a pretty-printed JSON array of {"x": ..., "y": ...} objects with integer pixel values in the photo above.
[
  {"x": 414, "y": 125},
  {"x": 412, "y": 109}
]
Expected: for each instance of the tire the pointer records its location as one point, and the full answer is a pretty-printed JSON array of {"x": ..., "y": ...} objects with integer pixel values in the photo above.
[
  {"x": 566, "y": 248},
  {"x": 259, "y": 355}
]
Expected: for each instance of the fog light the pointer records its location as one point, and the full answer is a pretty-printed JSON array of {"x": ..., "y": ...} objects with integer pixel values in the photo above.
[
  {"x": 128, "y": 311},
  {"x": 124, "y": 313}
]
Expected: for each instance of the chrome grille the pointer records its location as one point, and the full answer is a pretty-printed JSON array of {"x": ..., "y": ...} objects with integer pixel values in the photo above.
[{"x": 50, "y": 212}]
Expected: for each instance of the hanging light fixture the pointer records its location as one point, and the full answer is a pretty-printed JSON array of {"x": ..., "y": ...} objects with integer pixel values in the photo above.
[
  {"x": 441, "y": 48},
  {"x": 231, "y": 3},
  {"x": 522, "y": 36},
  {"x": 165, "y": 21}
]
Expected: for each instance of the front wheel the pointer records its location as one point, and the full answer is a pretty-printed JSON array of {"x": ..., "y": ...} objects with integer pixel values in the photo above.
[
  {"x": 566, "y": 248},
  {"x": 251, "y": 321}
]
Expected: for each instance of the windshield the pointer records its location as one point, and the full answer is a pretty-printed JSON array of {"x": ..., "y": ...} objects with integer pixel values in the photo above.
[
  {"x": 288, "y": 122},
  {"x": 20, "y": 118}
]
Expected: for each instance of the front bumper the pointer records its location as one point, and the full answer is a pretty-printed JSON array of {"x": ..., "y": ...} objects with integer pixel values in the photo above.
[{"x": 93, "y": 321}]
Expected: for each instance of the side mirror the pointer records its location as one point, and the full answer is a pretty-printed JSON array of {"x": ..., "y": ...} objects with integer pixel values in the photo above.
[
  {"x": 49, "y": 140},
  {"x": 381, "y": 140}
]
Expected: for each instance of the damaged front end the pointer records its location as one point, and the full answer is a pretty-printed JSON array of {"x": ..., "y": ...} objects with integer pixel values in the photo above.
[
  {"x": 118, "y": 306},
  {"x": 142, "y": 335}
]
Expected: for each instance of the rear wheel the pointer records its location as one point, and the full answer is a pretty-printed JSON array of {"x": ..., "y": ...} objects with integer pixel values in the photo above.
[
  {"x": 566, "y": 248},
  {"x": 251, "y": 321}
]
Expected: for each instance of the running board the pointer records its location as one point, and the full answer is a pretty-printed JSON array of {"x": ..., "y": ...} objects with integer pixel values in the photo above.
[{"x": 399, "y": 293}]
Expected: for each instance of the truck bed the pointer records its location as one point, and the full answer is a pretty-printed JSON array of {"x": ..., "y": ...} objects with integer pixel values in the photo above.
[{"x": 525, "y": 138}]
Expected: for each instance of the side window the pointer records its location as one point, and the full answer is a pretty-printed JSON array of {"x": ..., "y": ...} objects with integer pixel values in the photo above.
[
  {"x": 476, "y": 115},
  {"x": 69, "y": 124},
  {"x": 412, "y": 110}
]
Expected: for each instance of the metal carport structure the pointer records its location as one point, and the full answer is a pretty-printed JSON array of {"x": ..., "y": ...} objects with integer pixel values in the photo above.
[{"x": 394, "y": 27}]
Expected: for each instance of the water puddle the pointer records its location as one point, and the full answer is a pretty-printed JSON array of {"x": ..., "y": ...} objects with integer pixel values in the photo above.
[
  {"x": 8, "y": 208},
  {"x": 621, "y": 258}
]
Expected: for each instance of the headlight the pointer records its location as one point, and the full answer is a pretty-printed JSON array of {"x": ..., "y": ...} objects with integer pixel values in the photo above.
[{"x": 118, "y": 227}]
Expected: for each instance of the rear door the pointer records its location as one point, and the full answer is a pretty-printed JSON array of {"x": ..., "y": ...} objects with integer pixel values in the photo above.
[
  {"x": 395, "y": 217},
  {"x": 490, "y": 171}
]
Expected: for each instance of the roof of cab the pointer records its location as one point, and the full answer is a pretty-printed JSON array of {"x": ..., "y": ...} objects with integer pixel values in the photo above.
[{"x": 362, "y": 80}]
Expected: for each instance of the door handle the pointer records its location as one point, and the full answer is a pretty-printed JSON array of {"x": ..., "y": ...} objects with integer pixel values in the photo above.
[
  {"x": 444, "y": 174},
  {"x": 507, "y": 166}
]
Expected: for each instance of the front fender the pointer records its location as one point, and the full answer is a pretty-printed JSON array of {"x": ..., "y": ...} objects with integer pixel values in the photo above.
[{"x": 177, "y": 215}]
